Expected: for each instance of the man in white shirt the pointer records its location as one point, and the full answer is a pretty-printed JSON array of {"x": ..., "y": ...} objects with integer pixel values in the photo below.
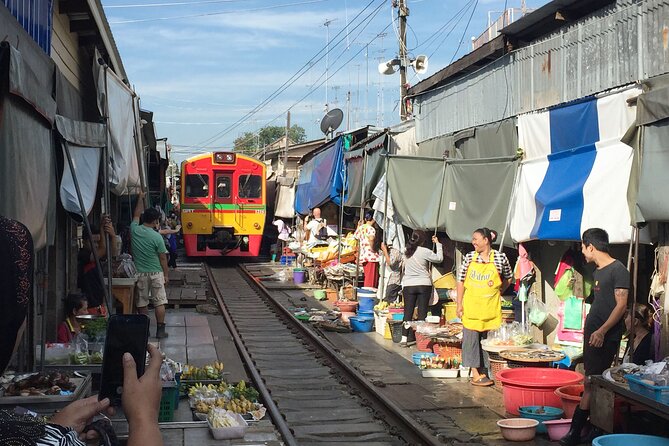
[{"x": 317, "y": 227}]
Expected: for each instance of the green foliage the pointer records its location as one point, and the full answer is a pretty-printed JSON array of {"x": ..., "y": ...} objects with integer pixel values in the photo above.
[{"x": 249, "y": 142}]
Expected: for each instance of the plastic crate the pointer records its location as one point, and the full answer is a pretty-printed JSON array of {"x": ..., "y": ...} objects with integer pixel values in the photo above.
[
  {"x": 177, "y": 379},
  {"x": 657, "y": 393},
  {"x": 168, "y": 402}
]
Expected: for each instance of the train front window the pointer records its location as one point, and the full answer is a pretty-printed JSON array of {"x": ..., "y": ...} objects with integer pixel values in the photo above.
[
  {"x": 197, "y": 186},
  {"x": 250, "y": 186},
  {"x": 222, "y": 187}
]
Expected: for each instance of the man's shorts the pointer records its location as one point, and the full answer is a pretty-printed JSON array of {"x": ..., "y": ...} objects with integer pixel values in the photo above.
[
  {"x": 153, "y": 285},
  {"x": 598, "y": 359}
]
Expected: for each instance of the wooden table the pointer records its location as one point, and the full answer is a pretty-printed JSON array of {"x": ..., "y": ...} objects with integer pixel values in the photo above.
[
  {"x": 604, "y": 392},
  {"x": 123, "y": 289}
]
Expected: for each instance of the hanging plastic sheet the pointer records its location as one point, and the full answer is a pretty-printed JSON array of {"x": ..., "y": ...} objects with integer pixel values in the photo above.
[
  {"x": 320, "y": 179},
  {"x": 374, "y": 149},
  {"x": 84, "y": 141},
  {"x": 389, "y": 222},
  {"x": 285, "y": 197},
  {"x": 116, "y": 100},
  {"x": 576, "y": 179},
  {"x": 27, "y": 173}
]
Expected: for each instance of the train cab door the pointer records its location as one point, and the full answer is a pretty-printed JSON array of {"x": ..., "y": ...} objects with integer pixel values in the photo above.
[
  {"x": 249, "y": 193},
  {"x": 223, "y": 196}
]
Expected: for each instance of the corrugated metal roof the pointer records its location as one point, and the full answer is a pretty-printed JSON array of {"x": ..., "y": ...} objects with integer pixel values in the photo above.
[{"x": 610, "y": 48}]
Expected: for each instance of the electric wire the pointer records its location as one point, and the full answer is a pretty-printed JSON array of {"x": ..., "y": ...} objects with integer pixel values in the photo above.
[
  {"x": 207, "y": 14},
  {"x": 434, "y": 36},
  {"x": 306, "y": 67},
  {"x": 464, "y": 32},
  {"x": 150, "y": 5},
  {"x": 458, "y": 18}
]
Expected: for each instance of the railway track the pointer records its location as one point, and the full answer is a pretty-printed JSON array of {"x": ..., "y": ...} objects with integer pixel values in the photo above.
[{"x": 313, "y": 396}]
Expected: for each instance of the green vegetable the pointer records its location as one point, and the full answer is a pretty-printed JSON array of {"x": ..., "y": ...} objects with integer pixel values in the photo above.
[
  {"x": 79, "y": 358},
  {"x": 96, "y": 328},
  {"x": 96, "y": 358}
]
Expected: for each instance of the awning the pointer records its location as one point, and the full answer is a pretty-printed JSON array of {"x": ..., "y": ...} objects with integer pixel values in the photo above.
[
  {"x": 355, "y": 165},
  {"x": 116, "y": 99},
  {"x": 321, "y": 179},
  {"x": 285, "y": 197},
  {"x": 577, "y": 170},
  {"x": 487, "y": 141},
  {"x": 83, "y": 141},
  {"x": 455, "y": 196},
  {"x": 27, "y": 175}
]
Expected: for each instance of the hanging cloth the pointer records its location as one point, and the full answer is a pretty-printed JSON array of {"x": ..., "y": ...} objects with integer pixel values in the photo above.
[
  {"x": 573, "y": 313},
  {"x": 482, "y": 305}
]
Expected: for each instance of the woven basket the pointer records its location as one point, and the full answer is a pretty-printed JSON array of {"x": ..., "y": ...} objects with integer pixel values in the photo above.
[
  {"x": 332, "y": 295},
  {"x": 447, "y": 349},
  {"x": 496, "y": 366}
]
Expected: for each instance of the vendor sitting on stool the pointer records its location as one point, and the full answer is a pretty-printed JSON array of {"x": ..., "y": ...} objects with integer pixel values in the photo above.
[
  {"x": 483, "y": 276},
  {"x": 75, "y": 305}
]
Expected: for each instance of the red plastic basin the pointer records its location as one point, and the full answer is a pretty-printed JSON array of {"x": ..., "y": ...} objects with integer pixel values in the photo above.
[
  {"x": 570, "y": 397},
  {"x": 534, "y": 386}
]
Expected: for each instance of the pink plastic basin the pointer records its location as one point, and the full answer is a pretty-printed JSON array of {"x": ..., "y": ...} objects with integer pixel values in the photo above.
[{"x": 534, "y": 386}]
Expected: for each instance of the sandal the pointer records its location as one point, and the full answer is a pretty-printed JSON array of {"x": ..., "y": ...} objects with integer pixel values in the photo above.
[{"x": 483, "y": 381}]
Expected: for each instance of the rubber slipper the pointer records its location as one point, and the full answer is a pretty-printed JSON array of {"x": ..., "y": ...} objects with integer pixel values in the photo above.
[{"x": 483, "y": 381}]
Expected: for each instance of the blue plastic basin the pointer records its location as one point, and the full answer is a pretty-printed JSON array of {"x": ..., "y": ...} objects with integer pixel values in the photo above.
[
  {"x": 548, "y": 413},
  {"x": 361, "y": 324},
  {"x": 628, "y": 439},
  {"x": 416, "y": 357}
]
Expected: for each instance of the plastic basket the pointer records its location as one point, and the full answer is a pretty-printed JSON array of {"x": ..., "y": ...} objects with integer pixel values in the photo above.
[
  {"x": 423, "y": 343},
  {"x": 657, "y": 393},
  {"x": 496, "y": 366},
  {"x": 395, "y": 330},
  {"x": 447, "y": 349},
  {"x": 168, "y": 401},
  {"x": 177, "y": 379}
]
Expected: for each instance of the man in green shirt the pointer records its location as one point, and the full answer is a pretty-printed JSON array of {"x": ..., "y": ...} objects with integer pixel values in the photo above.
[{"x": 150, "y": 256}]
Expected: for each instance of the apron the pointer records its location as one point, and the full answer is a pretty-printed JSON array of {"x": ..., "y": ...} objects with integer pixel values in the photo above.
[{"x": 482, "y": 306}]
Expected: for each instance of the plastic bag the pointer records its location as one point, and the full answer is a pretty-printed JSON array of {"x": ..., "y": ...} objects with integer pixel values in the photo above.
[
  {"x": 80, "y": 354},
  {"x": 538, "y": 313},
  {"x": 126, "y": 267}
]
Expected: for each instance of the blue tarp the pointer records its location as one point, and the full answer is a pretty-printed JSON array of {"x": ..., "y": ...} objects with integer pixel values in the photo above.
[{"x": 321, "y": 179}]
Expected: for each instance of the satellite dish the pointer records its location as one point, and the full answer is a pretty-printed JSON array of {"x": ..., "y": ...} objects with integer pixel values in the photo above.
[
  {"x": 388, "y": 67},
  {"x": 332, "y": 120},
  {"x": 420, "y": 64}
]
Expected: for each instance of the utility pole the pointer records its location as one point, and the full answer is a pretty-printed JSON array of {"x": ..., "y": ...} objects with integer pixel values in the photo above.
[
  {"x": 285, "y": 152},
  {"x": 348, "y": 110},
  {"x": 327, "y": 60},
  {"x": 403, "y": 13}
]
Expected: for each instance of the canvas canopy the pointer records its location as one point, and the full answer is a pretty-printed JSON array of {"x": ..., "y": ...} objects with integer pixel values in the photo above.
[
  {"x": 576, "y": 179},
  {"x": 83, "y": 142},
  {"x": 487, "y": 141},
  {"x": 321, "y": 179},
  {"x": 27, "y": 174},
  {"x": 455, "y": 196},
  {"x": 359, "y": 174},
  {"x": 285, "y": 200},
  {"x": 116, "y": 100}
]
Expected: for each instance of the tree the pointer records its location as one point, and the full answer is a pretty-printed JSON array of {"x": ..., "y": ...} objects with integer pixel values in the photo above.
[{"x": 249, "y": 142}]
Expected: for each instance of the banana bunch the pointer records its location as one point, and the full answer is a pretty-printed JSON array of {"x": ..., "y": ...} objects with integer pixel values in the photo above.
[
  {"x": 239, "y": 405},
  {"x": 202, "y": 407},
  {"x": 381, "y": 306},
  {"x": 210, "y": 371},
  {"x": 201, "y": 390}
]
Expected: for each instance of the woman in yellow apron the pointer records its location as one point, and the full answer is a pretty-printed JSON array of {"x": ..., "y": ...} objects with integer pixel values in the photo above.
[{"x": 482, "y": 277}]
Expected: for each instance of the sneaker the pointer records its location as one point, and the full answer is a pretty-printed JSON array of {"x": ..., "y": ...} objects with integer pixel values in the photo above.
[
  {"x": 411, "y": 343},
  {"x": 403, "y": 344}
]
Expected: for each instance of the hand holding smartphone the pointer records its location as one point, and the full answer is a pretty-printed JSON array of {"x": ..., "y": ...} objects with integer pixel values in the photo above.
[{"x": 125, "y": 333}]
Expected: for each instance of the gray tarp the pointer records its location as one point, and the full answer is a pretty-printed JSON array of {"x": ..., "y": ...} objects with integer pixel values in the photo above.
[
  {"x": 487, "y": 141},
  {"x": 84, "y": 141},
  {"x": 285, "y": 197},
  {"x": 27, "y": 175},
  {"x": 372, "y": 173},
  {"x": 474, "y": 193}
]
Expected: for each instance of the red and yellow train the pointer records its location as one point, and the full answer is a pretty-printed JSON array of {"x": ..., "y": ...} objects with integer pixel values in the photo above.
[{"x": 223, "y": 205}]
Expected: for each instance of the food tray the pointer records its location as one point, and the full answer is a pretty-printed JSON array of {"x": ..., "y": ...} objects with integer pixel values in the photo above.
[
  {"x": 500, "y": 348},
  {"x": 51, "y": 401},
  {"x": 532, "y": 355},
  {"x": 440, "y": 373},
  {"x": 224, "y": 433},
  {"x": 657, "y": 393}
]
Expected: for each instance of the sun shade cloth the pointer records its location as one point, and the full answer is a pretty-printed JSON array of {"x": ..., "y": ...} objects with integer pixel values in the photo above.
[
  {"x": 285, "y": 197},
  {"x": 321, "y": 179},
  {"x": 27, "y": 173},
  {"x": 576, "y": 171},
  {"x": 652, "y": 168},
  {"x": 115, "y": 96},
  {"x": 487, "y": 141},
  {"x": 455, "y": 196},
  {"x": 355, "y": 166},
  {"x": 84, "y": 141}
]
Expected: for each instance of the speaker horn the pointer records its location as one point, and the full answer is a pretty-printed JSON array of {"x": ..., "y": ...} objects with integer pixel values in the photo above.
[{"x": 420, "y": 64}]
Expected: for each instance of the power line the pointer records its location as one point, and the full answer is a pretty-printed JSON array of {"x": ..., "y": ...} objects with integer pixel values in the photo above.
[
  {"x": 306, "y": 67},
  {"x": 150, "y": 5},
  {"x": 455, "y": 20},
  {"x": 464, "y": 32},
  {"x": 206, "y": 14}
]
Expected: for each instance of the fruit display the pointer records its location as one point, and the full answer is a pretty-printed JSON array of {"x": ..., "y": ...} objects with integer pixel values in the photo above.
[
  {"x": 208, "y": 372},
  {"x": 222, "y": 418},
  {"x": 240, "y": 399},
  {"x": 241, "y": 390}
]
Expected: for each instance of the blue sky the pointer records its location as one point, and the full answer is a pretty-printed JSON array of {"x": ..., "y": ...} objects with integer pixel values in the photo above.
[{"x": 203, "y": 65}]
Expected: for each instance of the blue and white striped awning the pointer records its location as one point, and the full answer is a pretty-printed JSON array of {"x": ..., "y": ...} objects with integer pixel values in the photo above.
[{"x": 576, "y": 172}]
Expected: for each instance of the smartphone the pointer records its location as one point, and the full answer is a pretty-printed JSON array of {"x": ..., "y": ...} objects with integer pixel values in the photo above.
[{"x": 125, "y": 333}]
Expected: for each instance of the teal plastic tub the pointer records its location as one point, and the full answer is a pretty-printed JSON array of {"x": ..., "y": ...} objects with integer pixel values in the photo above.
[
  {"x": 629, "y": 439},
  {"x": 541, "y": 414}
]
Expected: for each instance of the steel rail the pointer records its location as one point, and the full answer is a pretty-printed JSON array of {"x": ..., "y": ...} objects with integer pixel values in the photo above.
[
  {"x": 397, "y": 416},
  {"x": 275, "y": 413}
]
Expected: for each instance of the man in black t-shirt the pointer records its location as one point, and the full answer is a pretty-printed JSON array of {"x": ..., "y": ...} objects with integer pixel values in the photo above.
[{"x": 604, "y": 325}]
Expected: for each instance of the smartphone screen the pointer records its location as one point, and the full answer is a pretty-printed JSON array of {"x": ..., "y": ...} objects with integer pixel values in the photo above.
[{"x": 125, "y": 333}]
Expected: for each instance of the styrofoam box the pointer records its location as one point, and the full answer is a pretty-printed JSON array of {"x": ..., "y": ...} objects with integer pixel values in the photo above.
[
  {"x": 440, "y": 373},
  {"x": 223, "y": 433}
]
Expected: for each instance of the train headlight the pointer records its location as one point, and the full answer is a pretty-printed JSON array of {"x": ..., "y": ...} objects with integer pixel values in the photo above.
[
  {"x": 189, "y": 225},
  {"x": 245, "y": 239},
  {"x": 256, "y": 225}
]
